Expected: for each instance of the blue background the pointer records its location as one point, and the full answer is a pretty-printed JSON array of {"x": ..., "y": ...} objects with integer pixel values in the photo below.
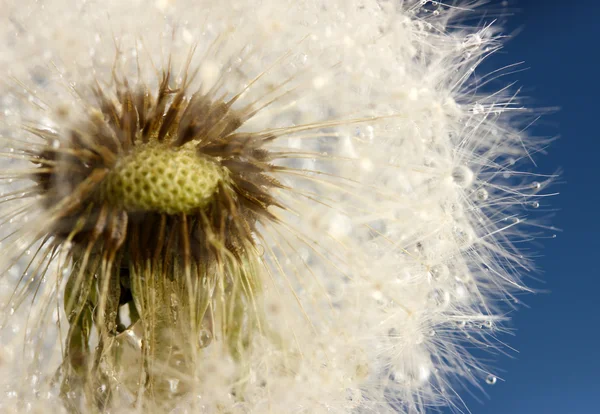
[{"x": 557, "y": 367}]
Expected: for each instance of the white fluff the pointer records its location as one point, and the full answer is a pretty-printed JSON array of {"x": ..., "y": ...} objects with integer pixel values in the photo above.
[{"x": 405, "y": 260}]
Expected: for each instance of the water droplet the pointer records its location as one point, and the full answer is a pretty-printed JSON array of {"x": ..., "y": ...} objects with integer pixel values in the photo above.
[
  {"x": 205, "y": 338},
  {"x": 462, "y": 235},
  {"x": 535, "y": 185},
  {"x": 463, "y": 176},
  {"x": 481, "y": 194},
  {"x": 488, "y": 324},
  {"x": 477, "y": 109},
  {"x": 535, "y": 204},
  {"x": 439, "y": 297},
  {"x": 460, "y": 290},
  {"x": 173, "y": 385},
  {"x": 491, "y": 379},
  {"x": 439, "y": 272}
]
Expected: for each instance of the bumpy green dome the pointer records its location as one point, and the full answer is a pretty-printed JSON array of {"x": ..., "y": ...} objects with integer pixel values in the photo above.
[{"x": 156, "y": 177}]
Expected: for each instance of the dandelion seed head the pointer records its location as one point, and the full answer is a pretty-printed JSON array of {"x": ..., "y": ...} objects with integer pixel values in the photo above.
[{"x": 302, "y": 203}]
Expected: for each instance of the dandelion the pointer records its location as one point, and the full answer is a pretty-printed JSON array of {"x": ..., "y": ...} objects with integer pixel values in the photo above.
[{"x": 247, "y": 206}]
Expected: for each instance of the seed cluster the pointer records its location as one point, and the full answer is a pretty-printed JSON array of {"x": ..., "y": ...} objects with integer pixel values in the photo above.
[{"x": 158, "y": 178}]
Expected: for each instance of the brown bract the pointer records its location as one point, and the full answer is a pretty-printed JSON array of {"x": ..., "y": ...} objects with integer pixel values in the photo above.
[{"x": 74, "y": 181}]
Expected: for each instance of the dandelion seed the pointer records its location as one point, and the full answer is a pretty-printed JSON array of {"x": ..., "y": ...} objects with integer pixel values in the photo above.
[{"x": 254, "y": 207}]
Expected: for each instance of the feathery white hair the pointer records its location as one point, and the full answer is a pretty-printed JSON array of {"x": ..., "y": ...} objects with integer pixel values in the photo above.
[{"x": 396, "y": 252}]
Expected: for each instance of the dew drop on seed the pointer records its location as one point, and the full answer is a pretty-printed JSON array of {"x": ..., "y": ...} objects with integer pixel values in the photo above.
[
  {"x": 491, "y": 379},
  {"x": 462, "y": 235},
  {"x": 462, "y": 176},
  {"x": 535, "y": 204},
  {"x": 205, "y": 338},
  {"x": 478, "y": 109},
  {"x": 173, "y": 385},
  {"x": 439, "y": 297},
  {"x": 535, "y": 185},
  {"x": 482, "y": 194},
  {"x": 439, "y": 272}
]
